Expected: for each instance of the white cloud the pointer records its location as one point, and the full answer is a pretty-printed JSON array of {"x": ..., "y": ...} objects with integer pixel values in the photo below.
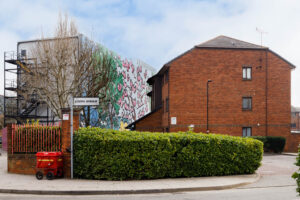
[{"x": 156, "y": 31}]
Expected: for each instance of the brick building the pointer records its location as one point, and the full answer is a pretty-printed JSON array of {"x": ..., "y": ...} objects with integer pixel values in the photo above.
[
  {"x": 295, "y": 119},
  {"x": 223, "y": 86}
]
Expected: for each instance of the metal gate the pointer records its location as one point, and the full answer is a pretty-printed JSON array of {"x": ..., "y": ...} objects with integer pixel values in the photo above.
[{"x": 28, "y": 138}]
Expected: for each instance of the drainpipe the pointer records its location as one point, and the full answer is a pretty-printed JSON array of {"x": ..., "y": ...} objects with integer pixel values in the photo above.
[
  {"x": 266, "y": 92},
  {"x": 208, "y": 81}
]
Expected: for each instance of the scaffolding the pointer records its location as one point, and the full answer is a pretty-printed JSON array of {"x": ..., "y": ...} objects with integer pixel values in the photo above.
[{"x": 17, "y": 108}]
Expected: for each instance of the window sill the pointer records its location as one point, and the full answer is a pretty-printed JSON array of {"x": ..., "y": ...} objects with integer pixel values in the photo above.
[{"x": 244, "y": 109}]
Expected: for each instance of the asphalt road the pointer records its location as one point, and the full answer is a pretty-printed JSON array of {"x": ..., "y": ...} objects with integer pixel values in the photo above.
[{"x": 276, "y": 184}]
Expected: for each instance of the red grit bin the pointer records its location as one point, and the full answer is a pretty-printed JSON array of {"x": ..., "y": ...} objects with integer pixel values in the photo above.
[{"x": 49, "y": 164}]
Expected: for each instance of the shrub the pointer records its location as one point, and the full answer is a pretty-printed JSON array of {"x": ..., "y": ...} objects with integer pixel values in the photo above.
[
  {"x": 118, "y": 155},
  {"x": 296, "y": 175},
  {"x": 272, "y": 143}
]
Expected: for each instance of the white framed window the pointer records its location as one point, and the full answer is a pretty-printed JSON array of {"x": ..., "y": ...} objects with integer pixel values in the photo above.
[
  {"x": 247, "y": 73},
  {"x": 247, "y": 131}
]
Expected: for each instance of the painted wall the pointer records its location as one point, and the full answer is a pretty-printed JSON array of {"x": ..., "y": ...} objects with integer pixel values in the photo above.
[{"x": 127, "y": 98}]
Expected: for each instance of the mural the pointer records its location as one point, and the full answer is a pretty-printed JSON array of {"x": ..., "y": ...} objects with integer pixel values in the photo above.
[{"x": 127, "y": 98}]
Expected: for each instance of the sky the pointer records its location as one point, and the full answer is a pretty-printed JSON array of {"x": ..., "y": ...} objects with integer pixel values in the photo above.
[{"x": 156, "y": 31}]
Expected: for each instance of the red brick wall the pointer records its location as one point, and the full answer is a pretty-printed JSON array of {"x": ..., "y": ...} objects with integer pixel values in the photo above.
[
  {"x": 26, "y": 163},
  {"x": 152, "y": 122},
  {"x": 66, "y": 140},
  {"x": 279, "y": 100},
  {"x": 18, "y": 163},
  {"x": 224, "y": 68},
  {"x": 269, "y": 89},
  {"x": 21, "y": 163}
]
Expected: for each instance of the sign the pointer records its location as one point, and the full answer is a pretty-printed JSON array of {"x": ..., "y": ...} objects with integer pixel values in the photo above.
[
  {"x": 173, "y": 120},
  {"x": 65, "y": 116},
  {"x": 86, "y": 101}
]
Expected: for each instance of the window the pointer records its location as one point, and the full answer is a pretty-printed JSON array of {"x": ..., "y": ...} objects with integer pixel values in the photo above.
[
  {"x": 247, "y": 103},
  {"x": 23, "y": 52},
  {"x": 293, "y": 125},
  {"x": 166, "y": 76},
  {"x": 247, "y": 131},
  {"x": 167, "y": 104},
  {"x": 247, "y": 73}
]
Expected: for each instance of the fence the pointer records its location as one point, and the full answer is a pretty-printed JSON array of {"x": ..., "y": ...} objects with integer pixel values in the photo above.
[{"x": 29, "y": 138}]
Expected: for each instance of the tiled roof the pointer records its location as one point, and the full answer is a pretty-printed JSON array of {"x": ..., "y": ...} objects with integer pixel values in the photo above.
[{"x": 227, "y": 42}]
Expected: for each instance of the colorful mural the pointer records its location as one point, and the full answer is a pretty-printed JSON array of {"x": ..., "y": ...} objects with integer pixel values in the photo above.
[{"x": 127, "y": 98}]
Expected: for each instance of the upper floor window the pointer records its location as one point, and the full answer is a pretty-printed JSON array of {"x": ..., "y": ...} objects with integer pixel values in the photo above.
[
  {"x": 23, "y": 53},
  {"x": 166, "y": 76},
  {"x": 247, "y": 73},
  {"x": 293, "y": 125},
  {"x": 247, "y": 103}
]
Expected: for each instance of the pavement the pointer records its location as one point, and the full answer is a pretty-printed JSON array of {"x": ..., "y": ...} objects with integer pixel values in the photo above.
[{"x": 28, "y": 184}]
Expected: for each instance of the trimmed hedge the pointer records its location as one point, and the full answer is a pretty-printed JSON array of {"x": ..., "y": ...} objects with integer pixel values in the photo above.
[
  {"x": 296, "y": 175},
  {"x": 118, "y": 155},
  {"x": 272, "y": 143}
]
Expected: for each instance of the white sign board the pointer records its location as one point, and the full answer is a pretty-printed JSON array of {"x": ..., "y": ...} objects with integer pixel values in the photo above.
[
  {"x": 173, "y": 120},
  {"x": 65, "y": 116},
  {"x": 86, "y": 101}
]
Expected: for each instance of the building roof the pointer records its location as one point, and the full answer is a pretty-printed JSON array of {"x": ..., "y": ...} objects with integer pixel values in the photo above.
[
  {"x": 130, "y": 126},
  {"x": 222, "y": 42},
  {"x": 228, "y": 42}
]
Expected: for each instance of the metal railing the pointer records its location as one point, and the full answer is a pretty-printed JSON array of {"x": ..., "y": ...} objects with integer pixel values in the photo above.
[
  {"x": 31, "y": 138},
  {"x": 11, "y": 83},
  {"x": 10, "y": 55}
]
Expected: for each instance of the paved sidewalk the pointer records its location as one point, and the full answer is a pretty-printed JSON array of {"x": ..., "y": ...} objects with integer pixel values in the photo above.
[{"x": 28, "y": 184}]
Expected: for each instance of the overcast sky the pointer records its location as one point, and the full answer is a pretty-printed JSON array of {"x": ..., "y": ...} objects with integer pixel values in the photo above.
[{"x": 156, "y": 31}]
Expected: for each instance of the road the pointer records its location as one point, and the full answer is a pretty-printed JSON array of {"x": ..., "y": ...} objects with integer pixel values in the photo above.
[{"x": 276, "y": 184}]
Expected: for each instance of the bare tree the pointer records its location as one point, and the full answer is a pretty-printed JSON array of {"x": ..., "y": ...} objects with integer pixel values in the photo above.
[{"x": 66, "y": 65}]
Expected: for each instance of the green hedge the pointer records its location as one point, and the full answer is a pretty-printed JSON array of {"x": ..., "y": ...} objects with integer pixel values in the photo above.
[
  {"x": 272, "y": 143},
  {"x": 118, "y": 155},
  {"x": 296, "y": 175}
]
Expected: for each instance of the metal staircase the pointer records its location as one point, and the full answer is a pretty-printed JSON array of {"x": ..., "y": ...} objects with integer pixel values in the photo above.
[
  {"x": 18, "y": 109},
  {"x": 30, "y": 108}
]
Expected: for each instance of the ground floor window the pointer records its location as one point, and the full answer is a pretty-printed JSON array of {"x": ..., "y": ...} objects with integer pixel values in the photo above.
[{"x": 247, "y": 131}]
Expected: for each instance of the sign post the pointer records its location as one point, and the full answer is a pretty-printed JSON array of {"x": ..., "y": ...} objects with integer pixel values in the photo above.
[
  {"x": 79, "y": 101},
  {"x": 71, "y": 127}
]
